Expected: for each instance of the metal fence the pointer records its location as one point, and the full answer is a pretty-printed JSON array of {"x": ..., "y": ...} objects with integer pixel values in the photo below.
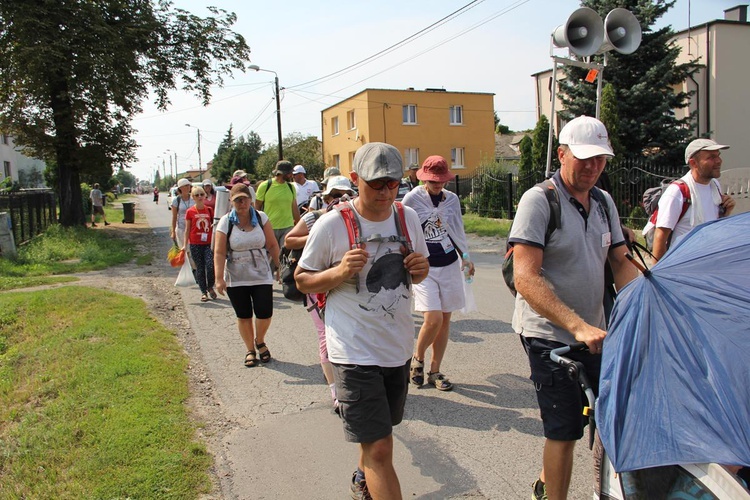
[
  {"x": 31, "y": 212},
  {"x": 494, "y": 192}
]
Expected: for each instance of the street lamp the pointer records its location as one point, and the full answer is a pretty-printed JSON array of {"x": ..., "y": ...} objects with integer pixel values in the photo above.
[
  {"x": 200, "y": 162},
  {"x": 278, "y": 104}
]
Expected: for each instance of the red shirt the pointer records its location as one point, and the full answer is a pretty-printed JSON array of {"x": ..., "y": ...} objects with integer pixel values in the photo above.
[{"x": 200, "y": 224}]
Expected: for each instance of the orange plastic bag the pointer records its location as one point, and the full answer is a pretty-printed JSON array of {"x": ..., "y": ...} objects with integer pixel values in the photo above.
[{"x": 175, "y": 256}]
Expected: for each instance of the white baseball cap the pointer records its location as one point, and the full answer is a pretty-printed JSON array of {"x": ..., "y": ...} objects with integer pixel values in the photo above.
[
  {"x": 339, "y": 183},
  {"x": 702, "y": 145},
  {"x": 299, "y": 169},
  {"x": 586, "y": 137},
  {"x": 183, "y": 182}
]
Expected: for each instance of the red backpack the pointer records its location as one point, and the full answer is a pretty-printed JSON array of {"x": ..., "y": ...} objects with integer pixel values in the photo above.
[{"x": 356, "y": 240}]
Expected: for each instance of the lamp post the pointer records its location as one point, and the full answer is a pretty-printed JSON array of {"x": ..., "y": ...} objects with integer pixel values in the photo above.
[
  {"x": 171, "y": 170},
  {"x": 200, "y": 162},
  {"x": 278, "y": 104}
]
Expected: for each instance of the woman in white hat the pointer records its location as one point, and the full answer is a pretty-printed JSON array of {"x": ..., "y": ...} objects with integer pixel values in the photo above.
[
  {"x": 210, "y": 199},
  {"x": 179, "y": 207}
]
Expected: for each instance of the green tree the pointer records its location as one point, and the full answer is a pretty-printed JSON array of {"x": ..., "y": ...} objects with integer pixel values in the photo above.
[
  {"x": 644, "y": 86},
  {"x": 240, "y": 154},
  {"x": 610, "y": 117},
  {"x": 526, "y": 174},
  {"x": 539, "y": 140},
  {"x": 298, "y": 149},
  {"x": 75, "y": 74}
]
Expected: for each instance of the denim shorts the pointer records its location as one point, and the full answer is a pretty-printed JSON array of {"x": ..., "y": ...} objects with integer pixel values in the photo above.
[
  {"x": 371, "y": 399},
  {"x": 560, "y": 399}
]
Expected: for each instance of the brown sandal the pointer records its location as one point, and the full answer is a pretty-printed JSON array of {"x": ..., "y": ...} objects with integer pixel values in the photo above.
[
  {"x": 250, "y": 359},
  {"x": 265, "y": 355}
]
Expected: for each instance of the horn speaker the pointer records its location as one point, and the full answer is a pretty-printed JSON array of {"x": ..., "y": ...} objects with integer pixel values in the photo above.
[
  {"x": 622, "y": 32},
  {"x": 583, "y": 33}
]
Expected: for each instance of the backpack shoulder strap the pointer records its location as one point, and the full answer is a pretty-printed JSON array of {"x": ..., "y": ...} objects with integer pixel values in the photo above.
[
  {"x": 229, "y": 233},
  {"x": 353, "y": 228},
  {"x": 555, "y": 212},
  {"x": 686, "y": 200},
  {"x": 598, "y": 195},
  {"x": 401, "y": 229}
]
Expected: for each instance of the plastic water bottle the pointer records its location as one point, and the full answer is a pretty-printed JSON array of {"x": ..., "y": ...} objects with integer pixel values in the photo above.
[{"x": 468, "y": 277}]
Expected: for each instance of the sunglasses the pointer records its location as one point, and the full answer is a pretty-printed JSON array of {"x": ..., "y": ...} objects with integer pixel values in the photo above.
[
  {"x": 199, "y": 195},
  {"x": 379, "y": 184}
]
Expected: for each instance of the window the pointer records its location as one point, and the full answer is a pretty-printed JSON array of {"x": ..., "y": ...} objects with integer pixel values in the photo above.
[
  {"x": 351, "y": 159},
  {"x": 457, "y": 115},
  {"x": 335, "y": 125},
  {"x": 6, "y": 168},
  {"x": 351, "y": 122},
  {"x": 336, "y": 161},
  {"x": 5, "y": 138},
  {"x": 457, "y": 157},
  {"x": 411, "y": 157},
  {"x": 410, "y": 114}
]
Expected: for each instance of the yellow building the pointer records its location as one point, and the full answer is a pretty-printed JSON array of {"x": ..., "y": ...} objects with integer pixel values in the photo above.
[{"x": 458, "y": 126}]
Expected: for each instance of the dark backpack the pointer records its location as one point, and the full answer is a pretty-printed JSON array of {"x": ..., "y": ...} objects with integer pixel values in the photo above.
[{"x": 555, "y": 221}]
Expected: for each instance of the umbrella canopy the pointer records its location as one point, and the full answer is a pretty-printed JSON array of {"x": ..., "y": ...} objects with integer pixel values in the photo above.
[{"x": 675, "y": 379}]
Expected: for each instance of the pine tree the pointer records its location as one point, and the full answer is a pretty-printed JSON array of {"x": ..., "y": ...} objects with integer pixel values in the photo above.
[
  {"x": 540, "y": 138},
  {"x": 643, "y": 83}
]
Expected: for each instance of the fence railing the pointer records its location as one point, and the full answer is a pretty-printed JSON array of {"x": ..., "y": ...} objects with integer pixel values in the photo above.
[
  {"x": 31, "y": 212},
  {"x": 494, "y": 192}
]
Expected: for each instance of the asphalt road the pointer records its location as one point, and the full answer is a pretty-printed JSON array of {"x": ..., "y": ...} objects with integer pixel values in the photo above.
[{"x": 481, "y": 440}]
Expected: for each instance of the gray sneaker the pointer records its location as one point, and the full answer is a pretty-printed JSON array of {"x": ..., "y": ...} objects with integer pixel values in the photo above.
[{"x": 359, "y": 489}]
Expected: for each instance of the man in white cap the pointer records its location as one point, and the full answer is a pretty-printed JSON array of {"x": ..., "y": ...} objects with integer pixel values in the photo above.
[
  {"x": 677, "y": 214},
  {"x": 368, "y": 321},
  {"x": 305, "y": 187},
  {"x": 560, "y": 284}
]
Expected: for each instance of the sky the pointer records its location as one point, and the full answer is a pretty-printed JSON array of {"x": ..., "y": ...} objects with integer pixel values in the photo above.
[{"x": 495, "y": 47}]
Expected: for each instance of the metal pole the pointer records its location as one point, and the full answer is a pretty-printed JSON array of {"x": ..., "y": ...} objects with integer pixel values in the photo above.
[
  {"x": 200, "y": 162},
  {"x": 548, "y": 168},
  {"x": 175, "y": 167},
  {"x": 278, "y": 116}
]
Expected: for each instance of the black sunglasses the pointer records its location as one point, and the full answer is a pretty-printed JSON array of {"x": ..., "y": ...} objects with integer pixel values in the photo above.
[{"x": 378, "y": 184}]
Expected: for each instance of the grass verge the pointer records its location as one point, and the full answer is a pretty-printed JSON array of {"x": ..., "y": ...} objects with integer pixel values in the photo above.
[
  {"x": 92, "y": 393},
  {"x": 486, "y": 227}
]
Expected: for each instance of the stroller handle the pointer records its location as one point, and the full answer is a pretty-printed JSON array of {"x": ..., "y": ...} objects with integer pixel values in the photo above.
[{"x": 577, "y": 372}]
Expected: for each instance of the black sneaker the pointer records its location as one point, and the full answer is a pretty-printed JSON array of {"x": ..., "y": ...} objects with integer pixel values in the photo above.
[
  {"x": 93, "y": 224},
  {"x": 106, "y": 223},
  {"x": 538, "y": 490},
  {"x": 359, "y": 489}
]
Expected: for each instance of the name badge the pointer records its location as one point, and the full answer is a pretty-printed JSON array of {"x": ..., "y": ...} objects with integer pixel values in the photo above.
[
  {"x": 606, "y": 239},
  {"x": 204, "y": 237}
]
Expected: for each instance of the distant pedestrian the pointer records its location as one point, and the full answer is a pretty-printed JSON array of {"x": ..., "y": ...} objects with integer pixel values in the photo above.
[
  {"x": 412, "y": 179},
  {"x": 244, "y": 243},
  {"x": 369, "y": 328},
  {"x": 97, "y": 205},
  {"x": 156, "y": 195},
  {"x": 180, "y": 204},
  {"x": 316, "y": 202},
  {"x": 278, "y": 198},
  {"x": 305, "y": 187},
  {"x": 198, "y": 229},
  {"x": 442, "y": 292},
  {"x": 210, "y": 200}
]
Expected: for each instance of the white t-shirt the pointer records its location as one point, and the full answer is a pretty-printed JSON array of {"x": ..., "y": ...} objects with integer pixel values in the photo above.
[
  {"x": 247, "y": 259},
  {"x": 670, "y": 207},
  {"x": 372, "y": 327},
  {"x": 305, "y": 191},
  {"x": 182, "y": 207}
]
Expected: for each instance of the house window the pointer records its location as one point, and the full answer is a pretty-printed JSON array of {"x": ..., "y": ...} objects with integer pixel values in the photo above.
[
  {"x": 411, "y": 157},
  {"x": 457, "y": 115},
  {"x": 5, "y": 138},
  {"x": 351, "y": 159},
  {"x": 457, "y": 158},
  {"x": 6, "y": 169},
  {"x": 336, "y": 161},
  {"x": 351, "y": 122},
  {"x": 335, "y": 125},
  {"x": 410, "y": 114}
]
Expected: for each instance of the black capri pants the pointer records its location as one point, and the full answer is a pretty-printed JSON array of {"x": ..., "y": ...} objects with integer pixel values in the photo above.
[{"x": 247, "y": 300}]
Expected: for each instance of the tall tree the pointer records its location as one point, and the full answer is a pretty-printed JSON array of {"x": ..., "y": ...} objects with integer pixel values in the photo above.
[
  {"x": 75, "y": 74},
  {"x": 526, "y": 177},
  {"x": 610, "y": 117},
  {"x": 644, "y": 86},
  {"x": 539, "y": 140}
]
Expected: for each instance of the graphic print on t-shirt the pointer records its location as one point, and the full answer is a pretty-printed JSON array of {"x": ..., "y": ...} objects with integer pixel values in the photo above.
[{"x": 386, "y": 282}]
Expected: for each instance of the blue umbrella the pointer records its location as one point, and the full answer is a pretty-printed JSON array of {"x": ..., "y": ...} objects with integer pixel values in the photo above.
[{"x": 675, "y": 379}]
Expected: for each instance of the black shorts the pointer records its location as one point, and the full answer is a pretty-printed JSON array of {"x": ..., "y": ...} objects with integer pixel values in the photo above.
[
  {"x": 247, "y": 300},
  {"x": 371, "y": 399},
  {"x": 560, "y": 399}
]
